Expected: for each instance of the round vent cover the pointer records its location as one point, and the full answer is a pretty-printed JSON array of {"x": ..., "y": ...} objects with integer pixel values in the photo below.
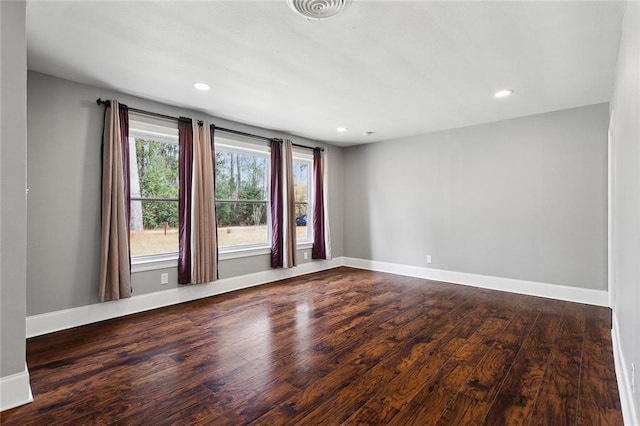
[{"x": 317, "y": 9}]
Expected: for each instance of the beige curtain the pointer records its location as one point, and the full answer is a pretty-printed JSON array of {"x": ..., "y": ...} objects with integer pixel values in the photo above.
[
  {"x": 115, "y": 264},
  {"x": 289, "y": 207},
  {"x": 203, "y": 230}
]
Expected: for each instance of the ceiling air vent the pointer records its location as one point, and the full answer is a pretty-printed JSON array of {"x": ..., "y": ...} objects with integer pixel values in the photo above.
[{"x": 317, "y": 9}]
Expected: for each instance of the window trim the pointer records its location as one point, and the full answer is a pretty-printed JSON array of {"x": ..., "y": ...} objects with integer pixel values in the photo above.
[
  {"x": 157, "y": 262},
  {"x": 306, "y": 157},
  {"x": 241, "y": 147},
  {"x": 148, "y": 128},
  {"x": 153, "y": 262},
  {"x": 142, "y": 126}
]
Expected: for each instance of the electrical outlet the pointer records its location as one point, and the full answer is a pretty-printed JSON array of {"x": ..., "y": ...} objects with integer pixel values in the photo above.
[
  {"x": 305, "y": 255},
  {"x": 164, "y": 279},
  {"x": 633, "y": 377},
  {"x": 428, "y": 258}
]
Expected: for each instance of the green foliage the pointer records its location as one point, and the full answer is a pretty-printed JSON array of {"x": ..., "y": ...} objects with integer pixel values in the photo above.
[
  {"x": 156, "y": 213},
  {"x": 240, "y": 177},
  {"x": 158, "y": 174},
  {"x": 300, "y": 187}
]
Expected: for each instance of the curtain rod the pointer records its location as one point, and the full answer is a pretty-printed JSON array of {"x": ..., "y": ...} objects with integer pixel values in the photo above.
[{"x": 99, "y": 101}]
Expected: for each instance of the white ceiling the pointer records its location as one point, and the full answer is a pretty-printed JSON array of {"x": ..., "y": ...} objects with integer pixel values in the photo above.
[{"x": 393, "y": 67}]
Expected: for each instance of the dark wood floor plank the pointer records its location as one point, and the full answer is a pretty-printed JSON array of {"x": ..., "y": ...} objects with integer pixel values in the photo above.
[
  {"x": 467, "y": 357},
  {"x": 597, "y": 358},
  {"x": 400, "y": 375},
  {"x": 303, "y": 405},
  {"x": 434, "y": 397},
  {"x": 426, "y": 407},
  {"x": 591, "y": 413},
  {"x": 599, "y": 398},
  {"x": 413, "y": 373},
  {"x": 557, "y": 400},
  {"x": 484, "y": 382},
  {"x": 343, "y": 346},
  {"x": 464, "y": 410},
  {"x": 516, "y": 397},
  {"x": 152, "y": 412}
]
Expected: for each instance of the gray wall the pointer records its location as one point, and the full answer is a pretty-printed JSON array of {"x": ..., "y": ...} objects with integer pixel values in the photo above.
[
  {"x": 13, "y": 203},
  {"x": 522, "y": 198},
  {"x": 65, "y": 128},
  {"x": 625, "y": 132}
]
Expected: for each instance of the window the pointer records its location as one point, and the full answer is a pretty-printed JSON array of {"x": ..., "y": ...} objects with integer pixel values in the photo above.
[
  {"x": 153, "y": 160},
  {"x": 302, "y": 169},
  {"x": 242, "y": 194}
]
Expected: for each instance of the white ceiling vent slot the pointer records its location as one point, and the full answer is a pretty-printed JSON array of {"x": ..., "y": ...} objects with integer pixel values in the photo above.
[{"x": 317, "y": 9}]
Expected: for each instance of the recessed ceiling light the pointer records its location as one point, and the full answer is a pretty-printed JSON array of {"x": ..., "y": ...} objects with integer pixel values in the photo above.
[
  {"x": 342, "y": 129},
  {"x": 503, "y": 93},
  {"x": 202, "y": 86}
]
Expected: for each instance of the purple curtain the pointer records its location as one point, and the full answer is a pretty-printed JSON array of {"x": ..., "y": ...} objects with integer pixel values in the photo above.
[
  {"x": 185, "y": 171},
  {"x": 115, "y": 258},
  {"x": 319, "y": 248},
  {"x": 123, "y": 115},
  {"x": 276, "y": 205}
]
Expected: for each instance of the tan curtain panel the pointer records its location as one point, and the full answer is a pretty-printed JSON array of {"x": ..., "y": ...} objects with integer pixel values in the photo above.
[
  {"x": 289, "y": 207},
  {"x": 203, "y": 229},
  {"x": 115, "y": 261}
]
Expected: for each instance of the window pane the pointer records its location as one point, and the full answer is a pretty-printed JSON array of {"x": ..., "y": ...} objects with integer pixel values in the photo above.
[
  {"x": 301, "y": 180},
  {"x": 241, "y": 223},
  {"x": 154, "y": 227},
  {"x": 156, "y": 171},
  {"x": 241, "y": 176},
  {"x": 302, "y": 222}
]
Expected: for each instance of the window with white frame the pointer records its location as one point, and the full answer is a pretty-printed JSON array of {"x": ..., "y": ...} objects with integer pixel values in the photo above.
[
  {"x": 242, "y": 195},
  {"x": 153, "y": 168},
  {"x": 242, "y": 192},
  {"x": 302, "y": 174}
]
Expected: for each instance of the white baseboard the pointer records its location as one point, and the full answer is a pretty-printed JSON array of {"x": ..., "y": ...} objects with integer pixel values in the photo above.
[
  {"x": 629, "y": 414},
  {"x": 531, "y": 288},
  {"x": 15, "y": 390},
  {"x": 68, "y": 318}
]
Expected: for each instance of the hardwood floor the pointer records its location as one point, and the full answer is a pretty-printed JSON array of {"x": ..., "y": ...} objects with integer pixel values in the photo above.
[{"x": 343, "y": 346}]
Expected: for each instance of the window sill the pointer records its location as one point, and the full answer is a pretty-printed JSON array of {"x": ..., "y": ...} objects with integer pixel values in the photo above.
[
  {"x": 152, "y": 263},
  {"x": 304, "y": 245},
  {"x": 243, "y": 252}
]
